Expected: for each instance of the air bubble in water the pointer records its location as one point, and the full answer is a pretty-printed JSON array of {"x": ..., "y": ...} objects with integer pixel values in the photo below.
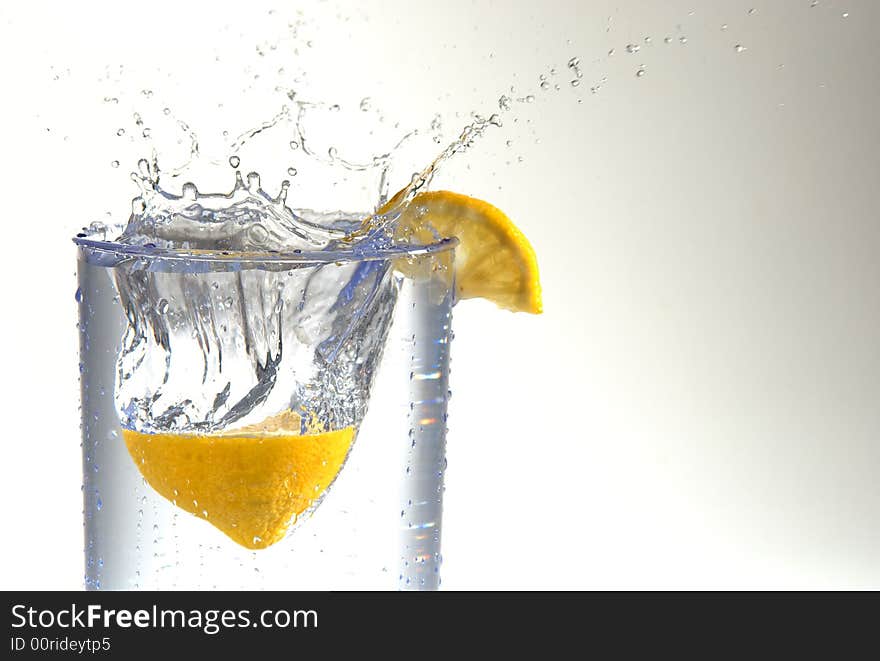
[{"x": 294, "y": 144}]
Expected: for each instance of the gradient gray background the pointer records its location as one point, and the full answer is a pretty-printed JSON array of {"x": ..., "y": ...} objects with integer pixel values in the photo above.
[{"x": 697, "y": 407}]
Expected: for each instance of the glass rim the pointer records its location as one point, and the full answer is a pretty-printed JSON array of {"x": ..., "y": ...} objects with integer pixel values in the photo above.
[{"x": 298, "y": 257}]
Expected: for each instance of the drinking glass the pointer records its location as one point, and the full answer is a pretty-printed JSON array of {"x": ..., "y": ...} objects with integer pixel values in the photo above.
[{"x": 263, "y": 420}]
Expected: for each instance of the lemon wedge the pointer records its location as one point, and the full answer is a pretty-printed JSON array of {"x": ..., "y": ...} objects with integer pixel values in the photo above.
[
  {"x": 493, "y": 260},
  {"x": 251, "y": 483}
]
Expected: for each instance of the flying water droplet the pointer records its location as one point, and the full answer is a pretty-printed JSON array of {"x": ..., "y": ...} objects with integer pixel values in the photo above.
[
  {"x": 114, "y": 164},
  {"x": 291, "y": 172},
  {"x": 739, "y": 48},
  {"x": 234, "y": 161}
]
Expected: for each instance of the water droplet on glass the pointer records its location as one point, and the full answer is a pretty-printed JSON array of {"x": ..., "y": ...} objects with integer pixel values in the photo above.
[
  {"x": 545, "y": 85},
  {"x": 724, "y": 27},
  {"x": 739, "y": 48},
  {"x": 530, "y": 98},
  {"x": 845, "y": 14},
  {"x": 683, "y": 40},
  {"x": 632, "y": 48},
  {"x": 234, "y": 161},
  {"x": 667, "y": 40},
  {"x": 573, "y": 62},
  {"x": 575, "y": 82},
  {"x": 641, "y": 71},
  {"x": 162, "y": 306},
  {"x": 611, "y": 52},
  {"x": 78, "y": 295},
  {"x": 752, "y": 11}
]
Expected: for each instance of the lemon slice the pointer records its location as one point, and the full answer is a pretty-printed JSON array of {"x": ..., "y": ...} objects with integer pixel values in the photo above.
[
  {"x": 251, "y": 483},
  {"x": 493, "y": 260}
]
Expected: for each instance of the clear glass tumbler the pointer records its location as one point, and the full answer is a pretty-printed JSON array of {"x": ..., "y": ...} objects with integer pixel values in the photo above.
[{"x": 264, "y": 420}]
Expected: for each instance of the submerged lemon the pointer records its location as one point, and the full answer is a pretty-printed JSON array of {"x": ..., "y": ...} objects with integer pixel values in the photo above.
[
  {"x": 251, "y": 483},
  {"x": 493, "y": 260}
]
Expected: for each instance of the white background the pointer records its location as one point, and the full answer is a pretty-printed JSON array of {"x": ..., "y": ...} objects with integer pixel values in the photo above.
[{"x": 697, "y": 407}]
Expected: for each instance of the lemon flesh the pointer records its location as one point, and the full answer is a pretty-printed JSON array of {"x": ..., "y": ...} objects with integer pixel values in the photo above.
[
  {"x": 251, "y": 483},
  {"x": 493, "y": 260}
]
